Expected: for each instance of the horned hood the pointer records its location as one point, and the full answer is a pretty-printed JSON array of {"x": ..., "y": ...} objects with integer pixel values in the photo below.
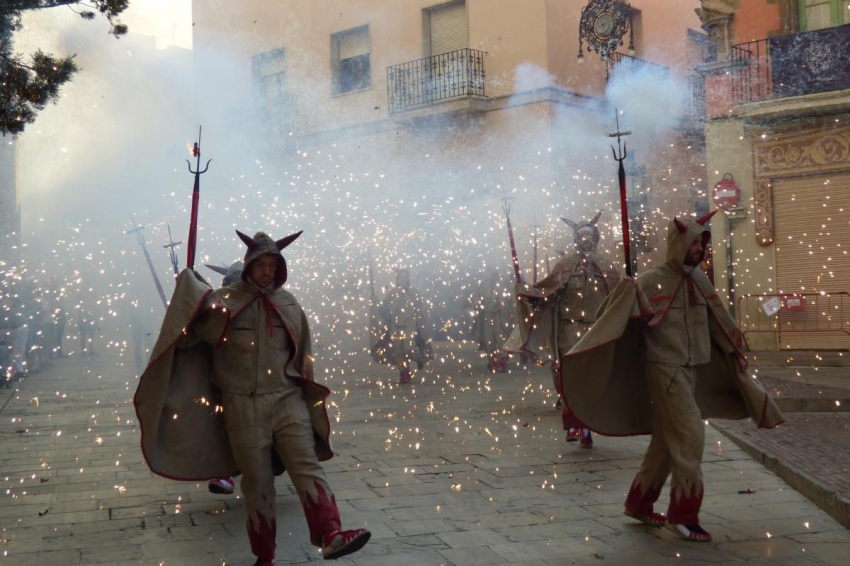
[
  {"x": 262, "y": 244},
  {"x": 681, "y": 233},
  {"x": 231, "y": 274}
]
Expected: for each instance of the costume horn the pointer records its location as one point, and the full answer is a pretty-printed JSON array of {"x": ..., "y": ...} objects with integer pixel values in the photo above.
[
  {"x": 706, "y": 217},
  {"x": 570, "y": 223},
  {"x": 283, "y": 242},
  {"x": 252, "y": 245},
  {"x": 217, "y": 268},
  {"x": 679, "y": 226},
  {"x": 596, "y": 218}
]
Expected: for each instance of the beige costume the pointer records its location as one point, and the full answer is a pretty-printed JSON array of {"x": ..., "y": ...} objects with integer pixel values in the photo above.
[
  {"x": 230, "y": 388},
  {"x": 491, "y": 302},
  {"x": 663, "y": 355},
  {"x": 408, "y": 337},
  {"x": 555, "y": 313}
]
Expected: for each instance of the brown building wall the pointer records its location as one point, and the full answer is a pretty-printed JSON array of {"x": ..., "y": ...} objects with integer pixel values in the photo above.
[
  {"x": 540, "y": 134},
  {"x": 756, "y": 19}
]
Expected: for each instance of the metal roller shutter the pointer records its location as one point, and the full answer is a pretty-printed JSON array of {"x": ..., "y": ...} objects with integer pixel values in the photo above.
[
  {"x": 354, "y": 44},
  {"x": 449, "y": 28},
  {"x": 812, "y": 218}
]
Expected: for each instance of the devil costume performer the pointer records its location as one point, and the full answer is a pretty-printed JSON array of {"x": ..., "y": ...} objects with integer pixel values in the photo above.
[
  {"x": 491, "y": 302},
  {"x": 555, "y": 313},
  {"x": 230, "y": 388},
  {"x": 407, "y": 337},
  {"x": 663, "y": 355}
]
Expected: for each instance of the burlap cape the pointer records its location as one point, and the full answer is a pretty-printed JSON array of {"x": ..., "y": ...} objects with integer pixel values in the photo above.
[
  {"x": 537, "y": 325},
  {"x": 182, "y": 427},
  {"x": 604, "y": 375}
]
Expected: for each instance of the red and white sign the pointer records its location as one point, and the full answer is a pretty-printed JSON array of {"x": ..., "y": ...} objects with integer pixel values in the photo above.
[{"x": 726, "y": 193}]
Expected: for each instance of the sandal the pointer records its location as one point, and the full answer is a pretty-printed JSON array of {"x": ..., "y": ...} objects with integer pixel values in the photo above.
[
  {"x": 693, "y": 533},
  {"x": 651, "y": 519}
]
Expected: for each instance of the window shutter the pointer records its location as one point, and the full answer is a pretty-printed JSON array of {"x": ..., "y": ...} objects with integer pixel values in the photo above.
[
  {"x": 812, "y": 217},
  {"x": 354, "y": 44},
  {"x": 271, "y": 65},
  {"x": 449, "y": 28}
]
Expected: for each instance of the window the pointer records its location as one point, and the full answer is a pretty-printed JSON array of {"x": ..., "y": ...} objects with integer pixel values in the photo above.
[
  {"x": 697, "y": 48},
  {"x": 351, "y": 60},
  {"x": 275, "y": 104},
  {"x": 446, "y": 28},
  {"x": 819, "y": 14}
]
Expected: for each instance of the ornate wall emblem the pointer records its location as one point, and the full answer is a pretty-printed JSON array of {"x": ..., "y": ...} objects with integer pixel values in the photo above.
[
  {"x": 603, "y": 25},
  {"x": 824, "y": 150}
]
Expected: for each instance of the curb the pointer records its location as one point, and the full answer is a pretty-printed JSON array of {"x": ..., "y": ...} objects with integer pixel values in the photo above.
[
  {"x": 827, "y": 499},
  {"x": 808, "y": 405}
]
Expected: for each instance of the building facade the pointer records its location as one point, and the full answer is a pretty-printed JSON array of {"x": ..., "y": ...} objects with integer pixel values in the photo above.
[
  {"x": 456, "y": 106},
  {"x": 777, "y": 103}
]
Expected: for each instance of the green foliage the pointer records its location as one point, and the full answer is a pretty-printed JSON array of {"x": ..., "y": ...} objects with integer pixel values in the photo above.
[{"x": 27, "y": 87}]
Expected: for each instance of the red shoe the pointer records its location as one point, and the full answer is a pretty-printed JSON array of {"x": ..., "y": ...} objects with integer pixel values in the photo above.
[
  {"x": 586, "y": 440},
  {"x": 342, "y": 543},
  {"x": 573, "y": 434},
  {"x": 651, "y": 519},
  {"x": 693, "y": 533},
  {"x": 262, "y": 562},
  {"x": 404, "y": 377}
]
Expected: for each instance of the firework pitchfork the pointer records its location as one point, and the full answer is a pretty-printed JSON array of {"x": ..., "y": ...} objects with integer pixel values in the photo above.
[
  {"x": 171, "y": 245},
  {"x": 141, "y": 239},
  {"x": 507, "y": 208},
  {"x": 196, "y": 195},
  {"x": 624, "y": 207},
  {"x": 535, "y": 225}
]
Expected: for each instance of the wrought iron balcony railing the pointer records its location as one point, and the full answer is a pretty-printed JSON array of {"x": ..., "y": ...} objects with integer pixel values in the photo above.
[
  {"x": 621, "y": 66},
  {"x": 694, "y": 107},
  {"x": 791, "y": 65},
  {"x": 452, "y": 75}
]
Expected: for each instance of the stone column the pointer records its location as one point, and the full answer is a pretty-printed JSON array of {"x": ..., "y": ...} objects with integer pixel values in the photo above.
[{"x": 717, "y": 17}]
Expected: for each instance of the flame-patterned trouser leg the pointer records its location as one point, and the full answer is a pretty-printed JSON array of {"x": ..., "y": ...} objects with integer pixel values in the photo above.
[
  {"x": 256, "y": 425},
  {"x": 403, "y": 345},
  {"x": 569, "y": 333},
  {"x": 493, "y": 339},
  {"x": 678, "y": 439}
]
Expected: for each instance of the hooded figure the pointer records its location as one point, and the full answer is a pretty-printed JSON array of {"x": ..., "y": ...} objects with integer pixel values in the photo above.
[
  {"x": 663, "y": 355},
  {"x": 407, "y": 337},
  {"x": 491, "y": 303},
  {"x": 554, "y": 313},
  {"x": 230, "y": 388},
  {"x": 231, "y": 274}
]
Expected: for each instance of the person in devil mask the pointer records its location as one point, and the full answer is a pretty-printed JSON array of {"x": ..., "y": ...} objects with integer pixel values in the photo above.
[
  {"x": 407, "y": 337},
  {"x": 555, "y": 313},
  {"x": 230, "y": 274},
  {"x": 663, "y": 355},
  {"x": 244, "y": 351}
]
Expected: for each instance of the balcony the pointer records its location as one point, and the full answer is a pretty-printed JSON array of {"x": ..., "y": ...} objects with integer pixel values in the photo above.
[
  {"x": 791, "y": 65},
  {"x": 694, "y": 105},
  {"x": 621, "y": 66},
  {"x": 440, "y": 78}
]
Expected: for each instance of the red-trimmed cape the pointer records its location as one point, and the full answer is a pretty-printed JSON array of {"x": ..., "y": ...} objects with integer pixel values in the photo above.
[
  {"x": 183, "y": 436},
  {"x": 604, "y": 375}
]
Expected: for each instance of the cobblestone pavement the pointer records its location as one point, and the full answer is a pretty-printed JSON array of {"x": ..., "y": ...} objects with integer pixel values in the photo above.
[
  {"x": 811, "y": 450},
  {"x": 457, "y": 468}
]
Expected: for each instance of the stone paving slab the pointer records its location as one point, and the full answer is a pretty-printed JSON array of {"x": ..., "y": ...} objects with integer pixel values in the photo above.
[
  {"x": 459, "y": 468},
  {"x": 810, "y": 451},
  {"x": 794, "y": 396}
]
